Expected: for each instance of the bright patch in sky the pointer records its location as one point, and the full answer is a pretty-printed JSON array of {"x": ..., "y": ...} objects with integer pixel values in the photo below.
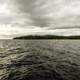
[{"x": 25, "y": 17}]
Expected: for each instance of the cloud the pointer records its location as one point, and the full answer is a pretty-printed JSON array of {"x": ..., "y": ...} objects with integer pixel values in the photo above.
[
  {"x": 48, "y": 12},
  {"x": 11, "y": 32},
  {"x": 18, "y": 17}
]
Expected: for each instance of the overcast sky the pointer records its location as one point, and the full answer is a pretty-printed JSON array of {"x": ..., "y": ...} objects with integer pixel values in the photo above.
[{"x": 25, "y": 17}]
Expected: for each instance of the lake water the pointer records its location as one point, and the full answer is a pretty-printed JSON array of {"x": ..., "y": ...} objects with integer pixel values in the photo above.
[{"x": 39, "y": 59}]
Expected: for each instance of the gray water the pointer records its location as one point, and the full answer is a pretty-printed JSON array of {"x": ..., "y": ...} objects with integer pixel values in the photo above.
[{"x": 39, "y": 60}]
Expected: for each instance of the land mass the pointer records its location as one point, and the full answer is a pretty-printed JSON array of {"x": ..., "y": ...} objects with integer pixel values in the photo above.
[{"x": 47, "y": 37}]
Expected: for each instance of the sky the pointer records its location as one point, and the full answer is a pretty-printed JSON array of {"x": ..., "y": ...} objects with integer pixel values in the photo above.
[{"x": 33, "y": 17}]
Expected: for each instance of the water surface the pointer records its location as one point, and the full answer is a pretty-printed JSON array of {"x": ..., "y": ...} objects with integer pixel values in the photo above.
[{"x": 39, "y": 60}]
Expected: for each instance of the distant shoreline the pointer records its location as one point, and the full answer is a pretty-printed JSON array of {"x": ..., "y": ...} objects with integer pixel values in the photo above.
[{"x": 47, "y": 37}]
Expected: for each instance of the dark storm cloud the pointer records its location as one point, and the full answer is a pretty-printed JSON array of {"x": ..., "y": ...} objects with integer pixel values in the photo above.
[
  {"x": 44, "y": 13},
  {"x": 35, "y": 9}
]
